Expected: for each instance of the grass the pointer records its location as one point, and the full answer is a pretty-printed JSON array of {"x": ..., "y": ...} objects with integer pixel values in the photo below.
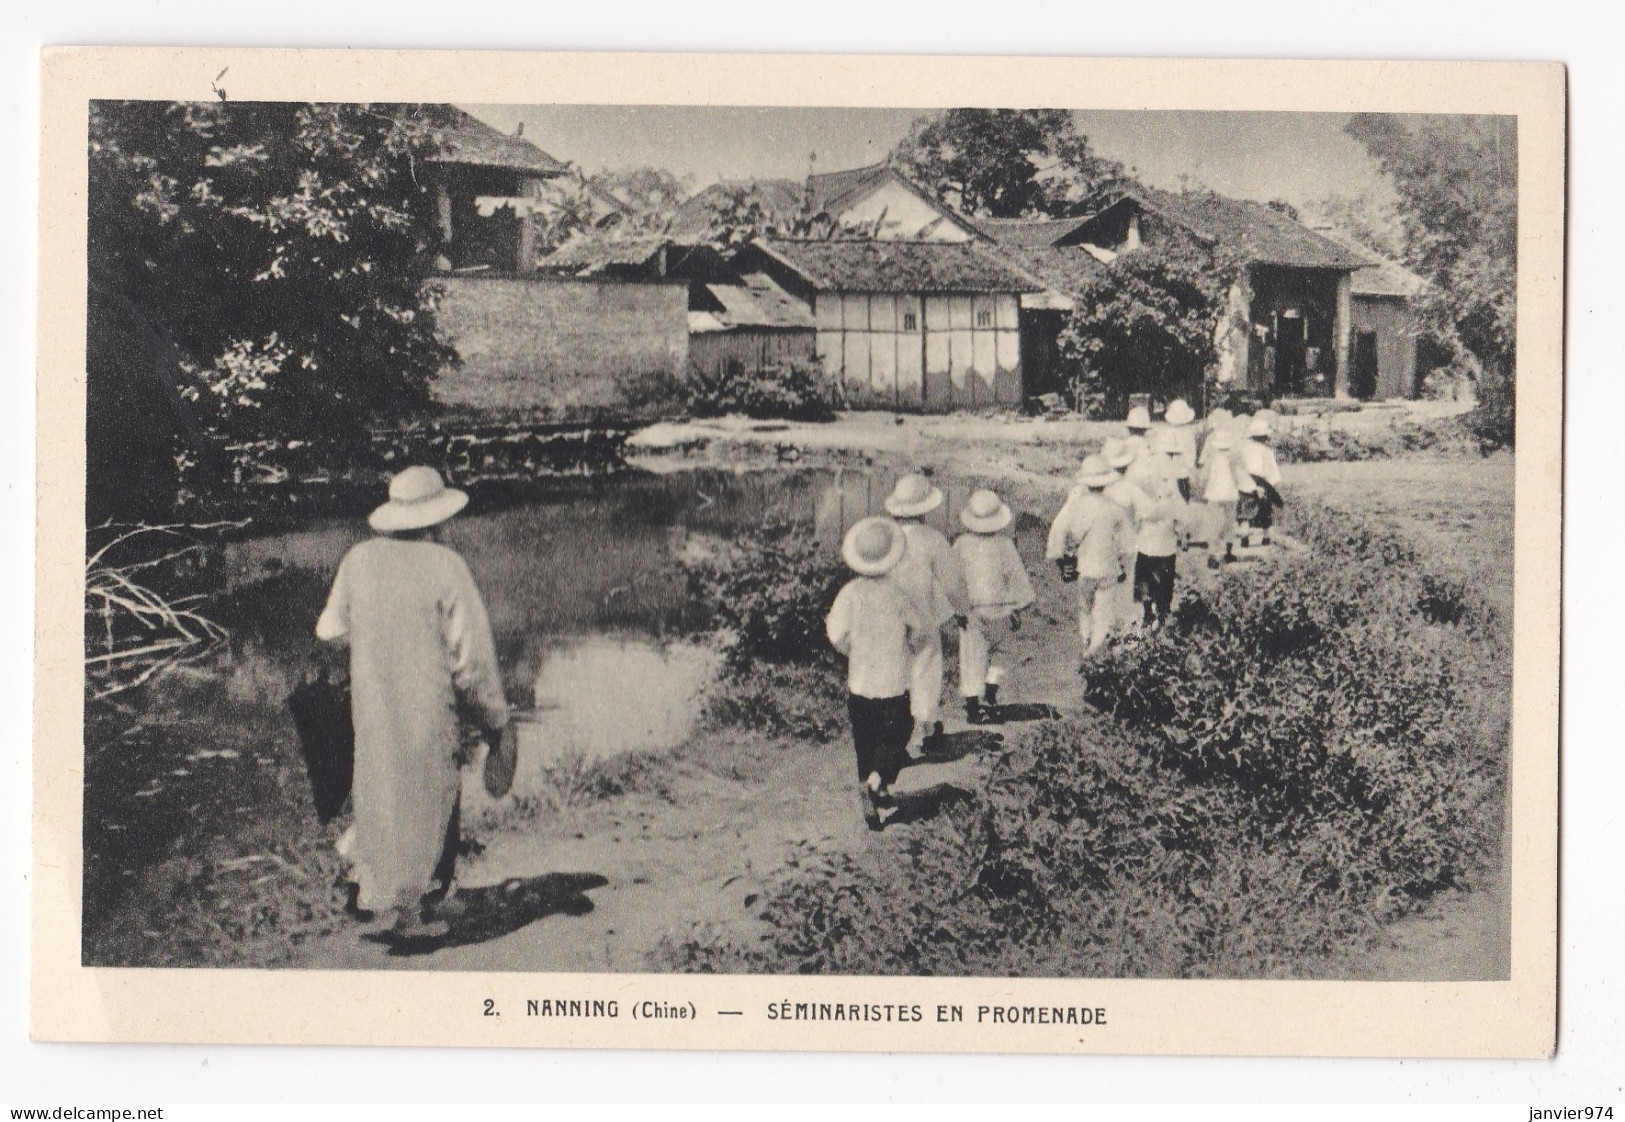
[{"x": 1305, "y": 756}]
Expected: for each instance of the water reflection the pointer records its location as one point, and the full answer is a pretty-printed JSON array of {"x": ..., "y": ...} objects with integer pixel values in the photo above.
[
  {"x": 601, "y": 695},
  {"x": 853, "y": 494}
]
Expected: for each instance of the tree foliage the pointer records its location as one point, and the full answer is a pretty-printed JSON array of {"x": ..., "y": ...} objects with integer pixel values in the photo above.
[
  {"x": 1457, "y": 181},
  {"x": 1007, "y": 163},
  {"x": 256, "y": 270},
  {"x": 640, "y": 201},
  {"x": 1146, "y": 323},
  {"x": 740, "y": 213}
]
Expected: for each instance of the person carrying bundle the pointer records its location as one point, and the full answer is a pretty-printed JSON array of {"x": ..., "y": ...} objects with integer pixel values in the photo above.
[
  {"x": 1258, "y": 461},
  {"x": 930, "y": 573},
  {"x": 880, "y": 629},
  {"x": 1086, "y": 542},
  {"x": 999, "y": 589}
]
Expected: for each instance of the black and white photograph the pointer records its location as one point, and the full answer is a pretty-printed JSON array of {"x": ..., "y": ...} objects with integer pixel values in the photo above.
[
  {"x": 887, "y": 542},
  {"x": 506, "y": 524}
]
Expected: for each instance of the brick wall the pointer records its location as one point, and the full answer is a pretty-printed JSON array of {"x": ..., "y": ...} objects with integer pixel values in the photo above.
[{"x": 538, "y": 346}]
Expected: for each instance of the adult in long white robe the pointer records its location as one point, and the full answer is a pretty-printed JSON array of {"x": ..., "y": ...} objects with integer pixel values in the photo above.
[{"x": 419, "y": 640}]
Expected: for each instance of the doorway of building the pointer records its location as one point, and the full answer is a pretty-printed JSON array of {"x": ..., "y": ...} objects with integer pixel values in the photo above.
[
  {"x": 1290, "y": 343},
  {"x": 1363, "y": 376}
]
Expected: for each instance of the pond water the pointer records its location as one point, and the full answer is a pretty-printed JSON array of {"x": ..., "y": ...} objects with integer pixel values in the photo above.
[{"x": 586, "y": 591}]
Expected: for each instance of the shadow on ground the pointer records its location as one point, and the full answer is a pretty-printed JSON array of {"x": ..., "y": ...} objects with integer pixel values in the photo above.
[
  {"x": 927, "y": 802},
  {"x": 957, "y": 745},
  {"x": 492, "y": 911}
]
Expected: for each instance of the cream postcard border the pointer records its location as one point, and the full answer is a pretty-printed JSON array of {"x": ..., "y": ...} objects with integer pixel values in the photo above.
[{"x": 1487, "y": 1019}]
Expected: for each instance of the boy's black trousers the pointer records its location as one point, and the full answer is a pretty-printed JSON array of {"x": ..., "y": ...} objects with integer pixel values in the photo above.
[{"x": 881, "y": 728}]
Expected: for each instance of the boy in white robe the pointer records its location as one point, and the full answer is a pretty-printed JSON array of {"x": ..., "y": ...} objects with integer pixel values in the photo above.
[
  {"x": 999, "y": 589},
  {"x": 929, "y": 573},
  {"x": 1087, "y": 542}
]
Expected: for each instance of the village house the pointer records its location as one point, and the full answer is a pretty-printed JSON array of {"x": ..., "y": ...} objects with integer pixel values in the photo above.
[
  {"x": 876, "y": 201},
  {"x": 930, "y": 325},
  {"x": 1289, "y": 331},
  {"x": 911, "y": 307},
  {"x": 1386, "y": 356}
]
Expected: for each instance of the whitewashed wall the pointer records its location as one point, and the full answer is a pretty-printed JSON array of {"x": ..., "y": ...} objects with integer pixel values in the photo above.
[{"x": 922, "y": 351}]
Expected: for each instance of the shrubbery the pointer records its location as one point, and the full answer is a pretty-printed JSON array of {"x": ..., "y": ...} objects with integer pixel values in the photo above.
[
  {"x": 791, "y": 391},
  {"x": 1300, "y": 757},
  {"x": 766, "y": 598}
]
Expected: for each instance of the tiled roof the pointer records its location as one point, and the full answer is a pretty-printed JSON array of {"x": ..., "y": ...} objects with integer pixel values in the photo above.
[
  {"x": 1066, "y": 269},
  {"x": 592, "y": 254},
  {"x": 1258, "y": 233},
  {"x": 824, "y": 193},
  {"x": 467, "y": 140},
  {"x": 897, "y": 266},
  {"x": 693, "y": 218},
  {"x": 1028, "y": 232},
  {"x": 1380, "y": 276},
  {"x": 758, "y": 302}
]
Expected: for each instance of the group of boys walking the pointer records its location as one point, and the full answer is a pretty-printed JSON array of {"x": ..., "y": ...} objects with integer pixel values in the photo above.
[{"x": 1134, "y": 507}]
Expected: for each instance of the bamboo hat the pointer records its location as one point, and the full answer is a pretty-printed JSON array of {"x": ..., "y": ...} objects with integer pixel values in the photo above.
[
  {"x": 912, "y": 496},
  {"x": 418, "y": 498},
  {"x": 1117, "y": 452},
  {"x": 985, "y": 513},
  {"x": 1096, "y": 472},
  {"x": 873, "y": 546},
  {"x": 1179, "y": 413},
  {"x": 1138, "y": 418},
  {"x": 1259, "y": 426}
]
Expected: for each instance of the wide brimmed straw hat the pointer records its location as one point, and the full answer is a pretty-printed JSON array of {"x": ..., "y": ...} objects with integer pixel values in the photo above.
[
  {"x": 1139, "y": 418},
  {"x": 1117, "y": 452},
  {"x": 912, "y": 496},
  {"x": 418, "y": 498},
  {"x": 1179, "y": 413},
  {"x": 873, "y": 546},
  {"x": 985, "y": 513},
  {"x": 1219, "y": 418},
  {"x": 1096, "y": 472},
  {"x": 1166, "y": 442},
  {"x": 1259, "y": 426}
]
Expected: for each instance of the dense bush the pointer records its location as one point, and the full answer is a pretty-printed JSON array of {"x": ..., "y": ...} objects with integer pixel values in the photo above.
[
  {"x": 1300, "y": 757},
  {"x": 790, "y": 391},
  {"x": 1306, "y": 444},
  {"x": 766, "y": 598},
  {"x": 767, "y": 595}
]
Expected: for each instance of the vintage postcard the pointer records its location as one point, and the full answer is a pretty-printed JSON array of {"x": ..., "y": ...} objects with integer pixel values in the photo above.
[{"x": 792, "y": 552}]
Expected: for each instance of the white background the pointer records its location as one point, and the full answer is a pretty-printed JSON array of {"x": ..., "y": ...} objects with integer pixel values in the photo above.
[{"x": 1590, "y": 1063}]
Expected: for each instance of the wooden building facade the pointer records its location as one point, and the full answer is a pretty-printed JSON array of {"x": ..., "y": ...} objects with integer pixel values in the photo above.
[{"x": 908, "y": 325}]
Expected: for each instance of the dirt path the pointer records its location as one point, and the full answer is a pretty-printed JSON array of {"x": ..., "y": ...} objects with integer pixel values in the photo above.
[{"x": 599, "y": 888}]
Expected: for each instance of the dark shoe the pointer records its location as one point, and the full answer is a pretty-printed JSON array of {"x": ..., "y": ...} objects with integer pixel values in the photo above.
[
  {"x": 1265, "y": 540},
  {"x": 990, "y": 695},
  {"x": 973, "y": 710},
  {"x": 933, "y": 742},
  {"x": 1213, "y": 562}
]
